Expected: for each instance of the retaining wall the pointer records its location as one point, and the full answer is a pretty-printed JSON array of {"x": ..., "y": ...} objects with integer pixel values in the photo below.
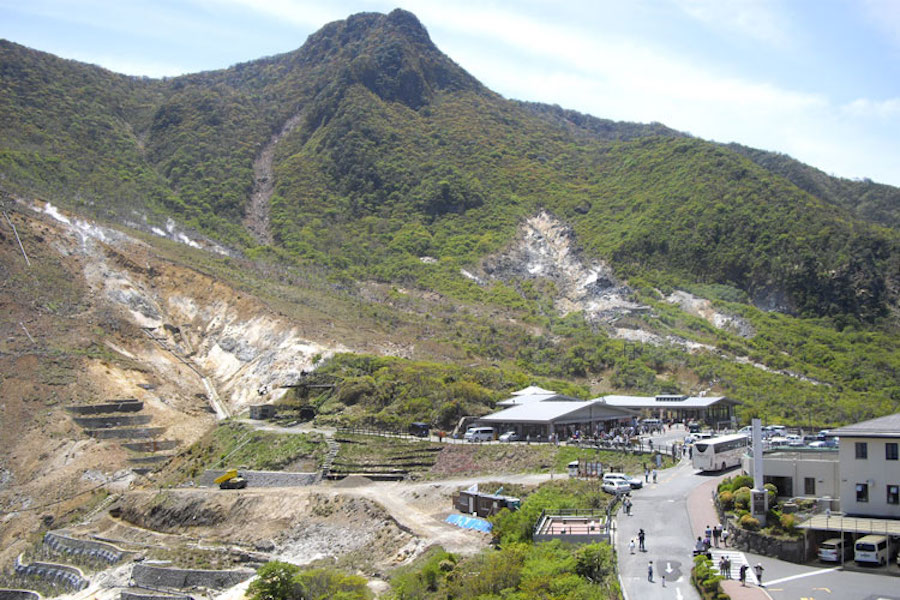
[
  {"x": 140, "y": 460},
  {"x": 148, "y": 595},
  {"x": 116, "y": 421},
  {"x": 151, "y": 446},
  {"x": 180, "y": 579},
  {"x": 19, "y": 595},
  {"x": 70, "y": 545},
  {"x": 262, "y": 478},
  {"x": 124, "y": 405},
  {"x": 71, "y": 577},
  {"x": 129, "y": 433}
]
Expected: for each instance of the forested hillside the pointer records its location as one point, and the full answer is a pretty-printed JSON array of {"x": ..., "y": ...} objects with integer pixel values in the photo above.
[
  {"x": 397, "y": 153},
  {"x": 368, "y": 157}
]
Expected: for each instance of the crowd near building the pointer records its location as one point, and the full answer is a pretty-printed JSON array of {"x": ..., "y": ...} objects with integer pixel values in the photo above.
[{"x": 538, "y": 414}]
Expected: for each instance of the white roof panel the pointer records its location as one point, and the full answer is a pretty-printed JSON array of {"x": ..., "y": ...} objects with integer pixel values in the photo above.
[
  {"x": 662, "y": 401},
  {"x": 541, "y": 412},
  {"x": 533, "y": 390}
]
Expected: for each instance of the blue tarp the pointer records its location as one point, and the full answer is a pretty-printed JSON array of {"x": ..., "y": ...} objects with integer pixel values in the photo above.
[{"x": 469, "y": 523}]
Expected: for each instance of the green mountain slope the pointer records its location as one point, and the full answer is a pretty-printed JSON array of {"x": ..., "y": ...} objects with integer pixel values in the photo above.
[
  {"x": 866, "y": 199},
  {"x": 396, "y": 153}
]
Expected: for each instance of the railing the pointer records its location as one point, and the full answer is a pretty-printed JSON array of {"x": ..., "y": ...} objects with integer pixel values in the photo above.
[
  {"x": 602, "y": 516},
  {"x": 675, "y": 450},
  {"x": 404, "y": 435}
]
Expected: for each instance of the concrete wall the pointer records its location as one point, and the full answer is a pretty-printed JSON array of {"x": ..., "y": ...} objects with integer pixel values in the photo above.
[
  {"x": 142, "y": 595},
  {"x": 70, "y": 545},
  {"x": 822, "y": 465},
  {"x": 179, "y": 579},
  {"x": 19, "y": 595},
  {"x": 151, "y": 446},
  {"x": 143, "y": 460},
  {"x": 54, "y": 573},
  {"x": 262, "y": 478},
  {"x": 115, "y": 421},
  {"x": 129, "y": 405},
  {"x": 129, "y": 433},
  {"x": 875, "y": 472},
  {"x": 795, "y": 551}
]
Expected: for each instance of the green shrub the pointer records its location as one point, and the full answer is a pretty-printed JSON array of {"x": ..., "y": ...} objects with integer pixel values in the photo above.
[
  {"x": 749, "y": 522},
  {"x": 706, "y": 580},
  {"x": 772, "y": 493},
  {"x": 741, "y": 481},
  {"x": 742, "y": 498},
  {"x": 726, "y": 499},
  {"x": 788, "y": 522},
  {"x": 284, "y": 581}
]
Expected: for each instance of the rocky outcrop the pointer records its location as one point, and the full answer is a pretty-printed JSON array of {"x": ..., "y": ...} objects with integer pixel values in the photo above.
[{"x": 546, "y": 249}]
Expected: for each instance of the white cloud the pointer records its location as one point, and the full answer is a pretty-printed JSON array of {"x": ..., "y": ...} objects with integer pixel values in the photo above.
[
  {"x": 885, "y": 16},
  {"x": 756, "y": 19},
  {"x": 298, "y": 12},
  {"x": 880, "y": 109}
]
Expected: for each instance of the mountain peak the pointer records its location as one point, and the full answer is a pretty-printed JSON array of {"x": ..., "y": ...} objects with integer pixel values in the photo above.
[{"x": 392, "y": 55}]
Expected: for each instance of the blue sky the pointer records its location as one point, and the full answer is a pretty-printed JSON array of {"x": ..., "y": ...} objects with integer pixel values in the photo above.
[{"x": 816, "y": 79}]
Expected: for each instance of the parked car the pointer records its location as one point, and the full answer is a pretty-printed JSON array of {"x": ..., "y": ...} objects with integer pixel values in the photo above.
[
  {"x": 615, "y": 487},
  {"x": 834, "y": 550},
  {"x": 419, "y": 429},
  {"x": 510, "y": 436},
  {"x": 479, "y": 434},
  {"x": 634, "y": 483}
]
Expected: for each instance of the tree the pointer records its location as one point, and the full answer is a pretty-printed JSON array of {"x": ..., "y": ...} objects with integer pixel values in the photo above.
[{"x": 275, "y": 581}]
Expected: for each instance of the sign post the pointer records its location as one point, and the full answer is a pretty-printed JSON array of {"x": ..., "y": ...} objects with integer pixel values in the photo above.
[{"x": 759, "y": 498}]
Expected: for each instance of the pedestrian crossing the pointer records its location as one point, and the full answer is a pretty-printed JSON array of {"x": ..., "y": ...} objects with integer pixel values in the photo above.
[{"x": 737, "y": 559}]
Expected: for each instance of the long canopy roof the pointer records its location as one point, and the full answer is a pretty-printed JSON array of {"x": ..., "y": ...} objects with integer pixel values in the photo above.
[
  {"x": 544, "y": 412},
  {"x": 665, "y": 401}
]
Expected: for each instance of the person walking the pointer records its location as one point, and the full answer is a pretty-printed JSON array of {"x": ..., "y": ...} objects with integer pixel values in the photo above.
[
  {"x": 627, "y": 504},
  {"x": 641, "y": 536},
  {"x": 650, "y": 572},
  {"x": 708, "y": 532},
  {"x": 717, "y": 533},
  {"x": 654, "y": 475},
  {"x": 646, "y": 475},
  {"x": 725, "y": 537},
  {"x": 631, "y": 546},
  {"x": 758, "y": 569},
  {"x": 743, "y": 574},
  {"x": 727, "y": 567}
]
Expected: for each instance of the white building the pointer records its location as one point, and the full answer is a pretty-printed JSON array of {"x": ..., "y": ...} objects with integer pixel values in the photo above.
[{"x": 870, "y": 467}]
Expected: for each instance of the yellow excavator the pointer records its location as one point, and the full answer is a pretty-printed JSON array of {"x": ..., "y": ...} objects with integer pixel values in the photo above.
[{"x": 231, "y": 480}]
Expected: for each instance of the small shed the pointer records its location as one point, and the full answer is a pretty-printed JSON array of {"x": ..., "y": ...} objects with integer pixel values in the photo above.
[
  {"x": 472, "y": 501},
  {"x": 263, "y": 411}
]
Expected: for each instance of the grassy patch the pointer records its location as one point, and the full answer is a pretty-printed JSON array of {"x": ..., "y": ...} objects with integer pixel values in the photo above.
[{"x": 233, "y": 444}]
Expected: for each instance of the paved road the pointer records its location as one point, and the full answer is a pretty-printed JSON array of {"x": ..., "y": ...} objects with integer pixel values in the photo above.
[
  {"x": 660, "y": 509},
  {"x": 789, "y": 581}
]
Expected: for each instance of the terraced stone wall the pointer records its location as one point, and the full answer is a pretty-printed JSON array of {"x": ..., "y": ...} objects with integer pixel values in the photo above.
[{"x": 180, "y": 579}]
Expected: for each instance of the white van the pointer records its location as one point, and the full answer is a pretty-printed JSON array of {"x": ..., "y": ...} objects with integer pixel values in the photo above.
[
  {"x": 833, "y": 550},
  {"x": 479, "y": 434},
  {"x": 871, "y": 549}
]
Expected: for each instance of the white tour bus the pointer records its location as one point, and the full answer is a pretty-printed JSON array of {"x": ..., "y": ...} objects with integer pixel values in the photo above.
[{"x": 719, "y": 453}]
